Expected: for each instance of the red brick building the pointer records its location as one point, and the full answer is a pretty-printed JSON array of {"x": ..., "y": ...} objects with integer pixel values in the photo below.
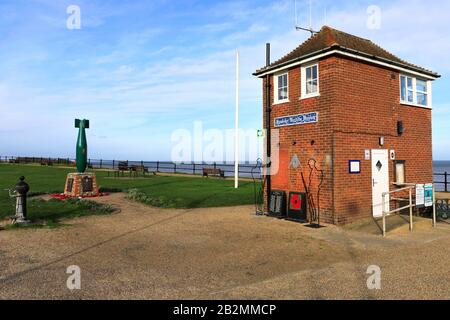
[{"x": 350, "y": 112}]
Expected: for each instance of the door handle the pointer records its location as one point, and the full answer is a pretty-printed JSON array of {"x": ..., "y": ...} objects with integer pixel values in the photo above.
[{"x": 374, "y": 183}]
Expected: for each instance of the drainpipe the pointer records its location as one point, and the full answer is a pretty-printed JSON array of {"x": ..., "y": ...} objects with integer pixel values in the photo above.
[{"x": 268, "y": 123}]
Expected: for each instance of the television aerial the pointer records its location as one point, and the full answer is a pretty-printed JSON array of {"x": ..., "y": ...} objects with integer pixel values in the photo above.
[{"x": 297, "y": 26}]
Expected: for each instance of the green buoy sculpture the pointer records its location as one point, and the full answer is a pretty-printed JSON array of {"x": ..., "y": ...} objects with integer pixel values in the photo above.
[
  {"x": 81, "y": 157},
  {"x": 82, "y": 183}
]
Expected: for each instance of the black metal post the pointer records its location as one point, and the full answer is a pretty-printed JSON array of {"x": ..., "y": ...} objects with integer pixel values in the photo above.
[{"x": 446, "y": 181}]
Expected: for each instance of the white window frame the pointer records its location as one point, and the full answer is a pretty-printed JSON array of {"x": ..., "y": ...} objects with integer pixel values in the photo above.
[
  {"x": 305, "y": 95},
  {"x": 415, "y": 91},
  {"x": 275, "y": 93}
]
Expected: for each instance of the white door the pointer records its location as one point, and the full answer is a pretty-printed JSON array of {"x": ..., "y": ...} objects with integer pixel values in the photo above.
[{"x": 380, "y": 181}]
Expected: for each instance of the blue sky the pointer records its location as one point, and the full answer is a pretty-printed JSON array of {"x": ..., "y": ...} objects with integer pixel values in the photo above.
[{"x": 139, "y": 70}]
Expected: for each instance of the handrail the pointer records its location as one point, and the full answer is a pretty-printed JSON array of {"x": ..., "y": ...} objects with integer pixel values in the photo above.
[
  {"x": 409, "y": 187},
  {"x": 410, "y": 206}
]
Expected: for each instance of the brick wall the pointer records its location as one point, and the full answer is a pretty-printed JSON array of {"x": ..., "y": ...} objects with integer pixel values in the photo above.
[{"x": 358, "y": 103}]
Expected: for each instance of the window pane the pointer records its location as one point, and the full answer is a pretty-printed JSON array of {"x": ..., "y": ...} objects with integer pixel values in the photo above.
[
  {"x": 308, "y": 74},
  {"x": 421, "y": 85},
  {"x": 282, "y": 87},
  {"x": 308, "y": 87},
  {"x": 402, "y": 88},
  {"x": 422, "y": 99},
  {"x": 311, "y": 86},
  {"x": 282, "y": 93},
  {"x": 314, "y": 72},
  {"x": 410, "y": 83},
  {"x": 410, "y": 96},
  {"x": 400, "y": 172}
]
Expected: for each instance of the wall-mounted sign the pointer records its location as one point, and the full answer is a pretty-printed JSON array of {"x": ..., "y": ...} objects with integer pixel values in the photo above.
[
  {"x": 367, "y": 154},
  {"x": 428, "y": 195},
  {"x": 420, "y": 195},
  {"x": 260, "y": 133},
  {"x": 294, "y": 120},
  {"x": 354, "y": 166},
  {"x": 392, "y": 154}
]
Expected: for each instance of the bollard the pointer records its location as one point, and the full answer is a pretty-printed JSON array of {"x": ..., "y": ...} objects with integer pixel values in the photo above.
[{"x": 20, "y": 193}]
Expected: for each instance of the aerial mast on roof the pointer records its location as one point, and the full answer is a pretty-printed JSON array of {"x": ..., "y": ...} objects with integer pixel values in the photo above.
[{"x": 310, "y": 28}]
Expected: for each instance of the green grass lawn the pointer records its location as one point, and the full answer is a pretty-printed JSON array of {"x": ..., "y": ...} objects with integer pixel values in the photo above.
[{"x": 163, "y": 191}]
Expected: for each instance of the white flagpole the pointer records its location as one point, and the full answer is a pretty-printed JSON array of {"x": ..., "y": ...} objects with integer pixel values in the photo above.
[{"x": 236, "y": 135}]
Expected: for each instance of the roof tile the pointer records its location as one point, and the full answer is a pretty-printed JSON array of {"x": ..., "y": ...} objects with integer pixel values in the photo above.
[{"x": 328, "y": 37}]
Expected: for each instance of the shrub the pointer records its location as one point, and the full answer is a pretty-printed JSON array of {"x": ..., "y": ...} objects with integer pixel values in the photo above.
[{"x": 139, "y": 196}]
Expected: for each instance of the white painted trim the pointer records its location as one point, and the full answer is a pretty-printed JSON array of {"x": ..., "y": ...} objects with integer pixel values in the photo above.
[
  {"x": 354, "y": 56},
  {"x": 414, "y": 105},
  {"x": 294, "y": 64},
  {"x": 281, "y": 102},
  {"x": 315, "y": 95},
  {"x": 404, "y": 70},
  {"x": 275, "y": 88},
  {"x": 303, "y": 94}
]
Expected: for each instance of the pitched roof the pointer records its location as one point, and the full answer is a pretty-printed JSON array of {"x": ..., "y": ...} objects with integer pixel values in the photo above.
[{"x": 328, "y": 39}]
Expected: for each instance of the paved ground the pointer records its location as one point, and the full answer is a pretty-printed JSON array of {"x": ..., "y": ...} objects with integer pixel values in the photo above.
[{"x": 227, "y": 253}]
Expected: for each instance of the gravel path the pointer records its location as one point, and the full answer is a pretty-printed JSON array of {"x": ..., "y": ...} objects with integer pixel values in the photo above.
[{"x": 223, "y": 253}]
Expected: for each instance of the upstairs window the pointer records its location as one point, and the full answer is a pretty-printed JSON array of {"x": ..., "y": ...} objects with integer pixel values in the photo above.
[
  {"x": 281, "y": 88},
  {"x": 415, "y": 91},
  {"x": 310, "y": 81}
]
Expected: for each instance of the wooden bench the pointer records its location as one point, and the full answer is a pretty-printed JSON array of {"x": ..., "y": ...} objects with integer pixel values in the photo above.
[
  {"x": 122, "y": 167},
  {"x": 46, "y": 163},
  {"x": 213, "y": 172},
  {"x": 140, "y": 169}
]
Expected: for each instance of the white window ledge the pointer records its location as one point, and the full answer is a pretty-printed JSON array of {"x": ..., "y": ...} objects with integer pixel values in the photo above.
[
  {"x": 410, "y": 104},
  {"x": 315, "y": 95},
  {"x": 281, "y": 102}
]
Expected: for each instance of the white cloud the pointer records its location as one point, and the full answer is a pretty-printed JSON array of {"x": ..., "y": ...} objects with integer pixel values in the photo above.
[{"x": 134, "y": 90}]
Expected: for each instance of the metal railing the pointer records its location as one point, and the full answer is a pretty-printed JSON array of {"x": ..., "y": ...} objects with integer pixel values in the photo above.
[
  {"x": 246, "y": 170},
  {"x": 410, "y": 206},
  {"x": 446, "y": 182}
]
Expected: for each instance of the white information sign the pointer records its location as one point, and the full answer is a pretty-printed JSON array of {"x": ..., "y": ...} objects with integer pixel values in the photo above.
[{"x": 420, "y": 195}]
